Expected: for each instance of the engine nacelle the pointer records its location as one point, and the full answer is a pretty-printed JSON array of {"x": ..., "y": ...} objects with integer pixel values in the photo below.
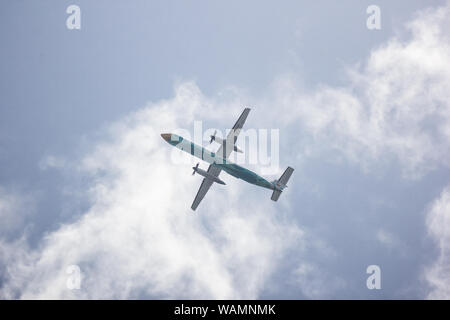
[
  {"x": 206, "y": 174},
  {"x": 221, "y": 141}
]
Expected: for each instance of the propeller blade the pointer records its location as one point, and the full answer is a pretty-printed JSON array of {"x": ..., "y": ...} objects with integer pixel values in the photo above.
[
  {"x": 195, "y": 168},
  {"x": 213, "y": 137}
]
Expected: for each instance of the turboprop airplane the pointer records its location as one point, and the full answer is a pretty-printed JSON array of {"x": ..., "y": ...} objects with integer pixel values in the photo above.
[{"x": 218, "y": 162}]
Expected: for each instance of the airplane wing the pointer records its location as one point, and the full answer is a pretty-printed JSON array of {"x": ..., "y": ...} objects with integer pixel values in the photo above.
[
  {"x": 225, "y": 150},
  {"x": 204, "y": 187}
]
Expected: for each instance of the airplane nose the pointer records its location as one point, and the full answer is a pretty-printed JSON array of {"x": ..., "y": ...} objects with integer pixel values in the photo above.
[{"x": 166, "y": 136}]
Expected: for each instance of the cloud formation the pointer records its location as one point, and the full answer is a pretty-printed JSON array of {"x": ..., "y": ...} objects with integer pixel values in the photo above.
[
  {"x": 438, "y": 225},
  {"x": 396, "y": 104},
  {"x": 140, "y": 238},
  {"x": 15, "y": 209},
  {"x": 316, "y": 283}
]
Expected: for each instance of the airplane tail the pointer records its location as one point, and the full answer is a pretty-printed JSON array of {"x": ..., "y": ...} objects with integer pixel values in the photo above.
[{"x": 281, "y": 183}]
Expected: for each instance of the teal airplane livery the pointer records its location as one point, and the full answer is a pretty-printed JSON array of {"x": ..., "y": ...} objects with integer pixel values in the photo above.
[{"x": 218, "y": 161}]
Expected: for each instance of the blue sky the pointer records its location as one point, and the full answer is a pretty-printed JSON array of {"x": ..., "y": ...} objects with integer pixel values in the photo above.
[{"x": 86, "y": 179}]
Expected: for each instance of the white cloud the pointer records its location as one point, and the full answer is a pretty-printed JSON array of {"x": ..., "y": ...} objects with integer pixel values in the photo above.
[
  {"x": 316, "y": 283},
  {"x": 140, "y": 237},
  {"x": 15, "y": 209},
  {"x": 51, "y": 161},
  {"x": 396, "y": 104},
  {"x": 388, "y": 239},
  {"x": 8, "y": 206},
  {"x": 438, "y": 225}
]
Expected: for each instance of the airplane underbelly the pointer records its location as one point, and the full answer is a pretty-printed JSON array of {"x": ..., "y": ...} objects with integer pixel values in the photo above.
[{"x": 246, "y": 175}]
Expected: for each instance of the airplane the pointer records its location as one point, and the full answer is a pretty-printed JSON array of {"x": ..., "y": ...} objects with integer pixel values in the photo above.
[{"x": 218, "y": 161}]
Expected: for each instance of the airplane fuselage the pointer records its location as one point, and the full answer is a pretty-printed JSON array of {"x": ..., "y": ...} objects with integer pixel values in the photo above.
[{"x": 216, "y": 160}]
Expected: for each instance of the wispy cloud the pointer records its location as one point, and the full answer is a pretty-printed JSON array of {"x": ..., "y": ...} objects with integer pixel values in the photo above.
[
  {"x": 316, "y": 283},
  {"x": 394, "y": 106},
  {"x": 15, "y": 209},
  {"x": 51, "y": 161}
]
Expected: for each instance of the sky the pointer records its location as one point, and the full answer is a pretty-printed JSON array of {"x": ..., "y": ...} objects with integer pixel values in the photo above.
[{"x": 87, "y": 183}]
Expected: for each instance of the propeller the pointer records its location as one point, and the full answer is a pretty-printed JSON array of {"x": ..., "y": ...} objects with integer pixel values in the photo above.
[
  {"x": 195, "y": 168},
  {"x": 213, "y": 137}
]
